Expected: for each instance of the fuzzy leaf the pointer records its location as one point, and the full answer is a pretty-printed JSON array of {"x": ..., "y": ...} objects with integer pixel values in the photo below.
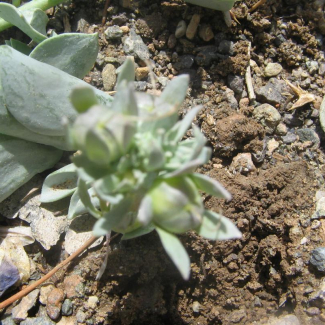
[
  {"x": 145, "y": 210},
  {"x": 210, "y": 186},
  {"x": 176, "y": 252},
  {"x": 126, "y": 72},
  {"x": 20, "y": 46},
  {"x": 37, "y": 94},
  {"x": 222, "y": 5},
  {"x": 217, "y": 227},
  {"x": 138, "y": 232},
  {"x": 124, "y": 100},
  {"x": 86, "y": 199},
  {"x": 25, "y": 21},
  {"x": 72, "y": 53},
  {"x": 59, "y": 184},
  {"x": 20, "y": 160},
  {"x": 105, "y": 188}
]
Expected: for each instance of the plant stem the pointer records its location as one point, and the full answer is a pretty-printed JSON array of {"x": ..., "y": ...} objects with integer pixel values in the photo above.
[
  {"x": 41, "y": 4},
  {"x": 31, "y": 287}
]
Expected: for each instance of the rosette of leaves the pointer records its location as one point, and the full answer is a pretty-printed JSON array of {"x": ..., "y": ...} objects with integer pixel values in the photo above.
[
  {"x": 132, "y": 171},
  {"x": 35, "y": 84}
]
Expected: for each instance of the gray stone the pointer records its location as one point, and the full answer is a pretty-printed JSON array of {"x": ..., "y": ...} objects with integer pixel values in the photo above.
[
  {"x": 206, "y": 55},
  {"x": 180, "y": 29},
  {"x": 285, "y": 320},
  {"x": 185, "y": 62},
  {"x": 20, "y": 311},
  {"x": 305, "y": 84},
  {"x": 321, "y": 69},
  {"x": 272, "y": 92},
  {"x": 281, "y": 129},
  {"x": 312, "y": 67},
  {"x": 230, "y": 98},
  {"x": 7, "y": 321},
  {"x": 140, "y": 85},
  {"x": 113, "y": 32},
  {"x": 120, "y": 19},
  {"x": 317, "y": 259},
  {"x": 134, "y": 45},
  {"x": 100, "y": 59},
  {"x": 81, "y": 316},
  {"x": 38, "y": 321},
  {"x": 307, "y": 134},
  {"x": 109, "y": 77},
  {"x": 289, "y": 138},
  {"x": 272, "y": 69},
  {"x": 67, "y": 307},
  {"x": 226, "y": 47},
  {"x": 268, "y": 116},
  {"x": 236, "y": 83},
  {"x": 292, "y": 120}
]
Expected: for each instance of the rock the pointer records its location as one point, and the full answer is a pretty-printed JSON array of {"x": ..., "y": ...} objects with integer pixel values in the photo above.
[
  {"x": 7, "y": 321},
  {"x": 272, "y": 92},
  {"x": 242, "y": 164},
  {"x": 308, "y": 134},
  {"x": 292, "y": 120},
  {"x": 317, "y": 298},
  {"x": 180, "y": 29},
  {"x": 185, "y": 62},
  {"x": 141, "y": 73},
  {"x": 192, "y": 26},
  {"x": 321, "y": 69},
  {"x": 206, "y": 55},
  {"x": 312, "y": 311},
  {"x": 73, "y": 286},
  {"x": 80, "y": 316},
  {"x": 196, "y": 307},
  {"x": 113, "y": 32},
  {"x": 134, "y": 45},
  {"x": 109, "y": 77},
  {"x": 320, "y": 207},
  {"x": 44, "y": 293},
  {"x": 9, "y": 273},
  {"x": 206, "y": 33},
  {"x": 67, "y": 307},
  {"x": 172, "y": 41},
  {"x": 125, "y": 29},
  {"x": 272, "y": 69},
  {"x": 54, "y": 303},
  {"x": 38, "y": 321},
  {"x": 140, "y": 85},
  {"x": 226, "y": 47},
  {"x": 229, "y": 96},
  {"x": 20, "y": 312},
  {"x": 317, "y": 259},
  {"x": 312, "y": 67},
  {"x": 271, "y": 146},
  {"x": 285, "y": 320},
  {"x": 281, "y": 129},
  {"x": 236, "y": 83},
  {"x": 237, "y": 316},
  {"x": 78, "y": 233},
  {"x": 92, "y": 302},
  {"x": 289, "y": 138},
  {"x": 268, "y": 116}
]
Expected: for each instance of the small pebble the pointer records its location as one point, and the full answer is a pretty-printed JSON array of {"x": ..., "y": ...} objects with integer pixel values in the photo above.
[
  {"x": 272, "y": 69},
  {"x": 192, "y": 26},
  {"x": 226, "y": 47},
  {"x": 54, "y": 303},
  {"x": 44, "y": 293},
  {"x": 196, "y": 306},
  {"x": 312, "y": 311},
  {"x": 81, "y": 316},
  {"x": 67, "y": 307},
  {"x": 268, "y": 116},
  {"x": 113, "y": 32},
  {"x": 92, "y": 302},
  {"x": 180, "y": 29},
  {"x": 73, "y": 286},
  {"x": 289, "y": 138},
  {"x": 20, "y": 312},
  {"x": 172, "y": 41},
  {"x": 206, "y": 33},
  {"x": 281, "y": 129},
  {"x": 125, "y": 29},
  {"x": 312, "y": 67},
  {"x": 236, "y": 83},
  {"x": 109, "y": 77},
  {"x": 317, "y": 259},
  {"x": 141, "y": 73},
  {"x": 242, "y": 164}
]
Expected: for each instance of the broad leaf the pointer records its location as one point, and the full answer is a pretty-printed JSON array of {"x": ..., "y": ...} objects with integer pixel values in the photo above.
[
  {"x": 25, "y": 21},
  {"x": 176, "y": 252},
  {"x": 210, "y": 186},
  {"x": 138, "y": 232},
  {"x": 20, "y": 160},
  {"x": 86, "y": 199},
  {"x": 126, "y": 71},
  {"x": 59, "y": 184},
  {"x": 72, "y": 53},
  {"x": 82, "y": 98},
  {"x": 37, "y": 94},
  {"x": 19, "y": 46},
  {"x": 218, "y": 227}
]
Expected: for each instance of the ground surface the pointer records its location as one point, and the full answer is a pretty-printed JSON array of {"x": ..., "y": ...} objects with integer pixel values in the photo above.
[{"x": 268, "y": 273}]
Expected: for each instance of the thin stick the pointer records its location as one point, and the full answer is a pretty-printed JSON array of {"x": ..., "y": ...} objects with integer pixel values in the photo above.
[
  {"x": 105, "y": 12},
  {"x": 248, "y": 79},
  {"x": 31, "y": 287},
  {"x": 256, "y": 5}
]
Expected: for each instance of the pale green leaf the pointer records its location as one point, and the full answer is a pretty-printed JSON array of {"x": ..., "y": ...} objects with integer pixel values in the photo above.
[
  {"x": 59, "y": 184},
  {"x": 217, "y": 227},
  {"x": 82, "y": 98},
  {"x": 126, "y": 71},
  {"x": 86, "y": 199},
  {"x": 176, "y": 252},
  {"x": 138, "y": 232},
  {"x": 20, "y": 160},
  {"x": 210, "y": 186},
  {"x": 72, "y": 53}
]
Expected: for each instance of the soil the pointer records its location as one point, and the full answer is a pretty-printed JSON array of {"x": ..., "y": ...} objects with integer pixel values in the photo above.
[{"x": 267, "y": 274}]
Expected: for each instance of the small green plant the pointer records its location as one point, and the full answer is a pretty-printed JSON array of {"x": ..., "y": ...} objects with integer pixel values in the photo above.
[{"x": 133, "y": 173}]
